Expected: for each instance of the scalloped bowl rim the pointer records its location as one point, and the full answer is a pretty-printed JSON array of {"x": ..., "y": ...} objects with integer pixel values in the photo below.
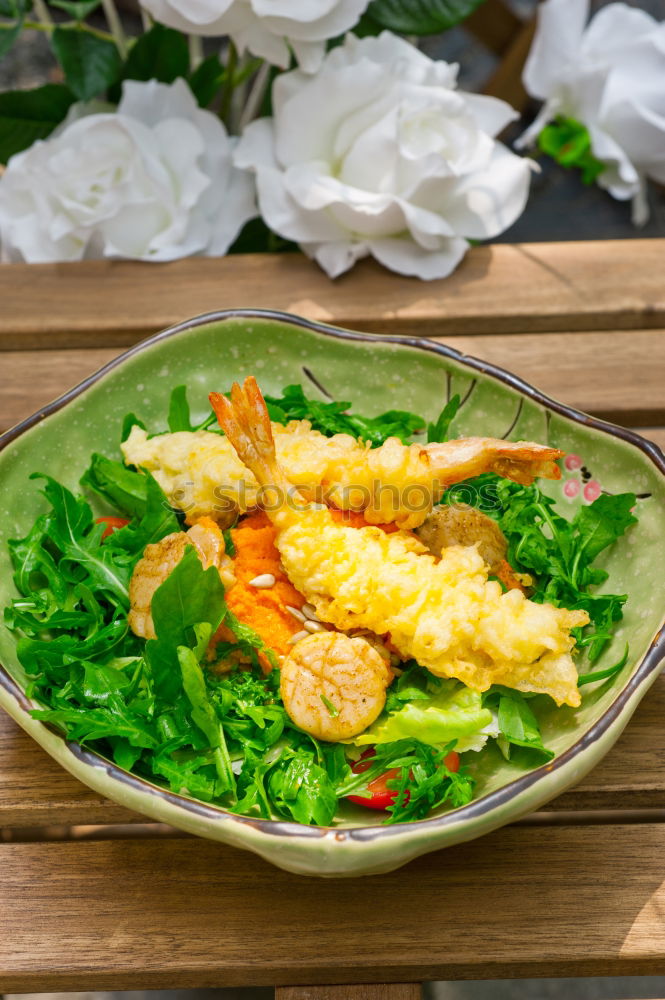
[{"x": 254, "y": 833}]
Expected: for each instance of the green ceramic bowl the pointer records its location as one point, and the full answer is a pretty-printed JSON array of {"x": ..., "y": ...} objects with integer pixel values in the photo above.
[{"x": 376, "y": 373}]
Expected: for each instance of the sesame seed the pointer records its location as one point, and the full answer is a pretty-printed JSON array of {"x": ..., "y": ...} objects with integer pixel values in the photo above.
[
  {"x": 315, "y": 626},
  {"x": 263, "y": 581},
  {"x": 296, "y": 613},
  {"x": 297, "y": 637}
]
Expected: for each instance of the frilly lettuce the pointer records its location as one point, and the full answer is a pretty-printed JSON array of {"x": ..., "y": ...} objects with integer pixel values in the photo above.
[{"x": 449, "y": 712}]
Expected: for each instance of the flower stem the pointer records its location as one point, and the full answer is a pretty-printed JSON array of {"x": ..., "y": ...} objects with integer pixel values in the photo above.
[
  {"x": 43, "y": 13},
  {"x": 49, "y": 28},
  {"x": 255, "y": 96},
  {"x": 115, "y": 24},
  {"x": 229, "y": 83},
  {"x": 195, "y": 51}
]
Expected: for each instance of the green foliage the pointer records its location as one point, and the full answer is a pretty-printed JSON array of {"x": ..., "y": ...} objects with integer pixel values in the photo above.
[
  {"x": 14, "y": 9},
  {"x": 568, "y": 142},
  {"x": 90, "y": 64},
  {"x": 206, "y": 80},
  {"x": 440, "y": 431},
  {"x": 160, "y": 54},
  {"x": 423, "y": 781},
  {"x": 559, "y": 553},
  {"x": 420, "y": 17},
  {"x": 335, "y": 418},
  {"x": 518, "y": 725},
  {"x": 78, "y": 9},
  {"x": 29, "y": 115}
]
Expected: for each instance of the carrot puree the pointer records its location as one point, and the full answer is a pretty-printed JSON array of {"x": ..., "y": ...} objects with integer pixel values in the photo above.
[{"x": 264, "y": 608}]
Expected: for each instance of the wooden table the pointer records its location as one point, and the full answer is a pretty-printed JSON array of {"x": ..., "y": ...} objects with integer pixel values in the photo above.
[{"x": 578, "y": 890}]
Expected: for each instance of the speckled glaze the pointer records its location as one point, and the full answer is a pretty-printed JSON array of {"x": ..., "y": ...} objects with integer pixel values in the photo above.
[{"x": 375, "y": 373}]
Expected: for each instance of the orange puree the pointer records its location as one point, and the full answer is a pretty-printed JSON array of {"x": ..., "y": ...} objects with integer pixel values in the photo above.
[{"x": 264, "y": 608}]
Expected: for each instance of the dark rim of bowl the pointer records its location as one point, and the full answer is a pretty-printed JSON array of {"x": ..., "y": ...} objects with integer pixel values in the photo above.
[{"x": 476, "y": 809}]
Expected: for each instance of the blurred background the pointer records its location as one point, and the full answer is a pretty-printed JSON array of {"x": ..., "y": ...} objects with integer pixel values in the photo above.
[{"x": 491, "y": 48}]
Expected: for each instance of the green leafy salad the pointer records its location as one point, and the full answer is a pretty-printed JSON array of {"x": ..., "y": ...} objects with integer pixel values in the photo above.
[{"x": 154, "y": 707}]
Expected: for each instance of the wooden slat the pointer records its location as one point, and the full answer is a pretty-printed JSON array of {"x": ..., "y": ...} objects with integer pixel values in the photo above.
[
  {"x": 494, "y": 24},
  {"x": 35, "y": 790},
  {"x": 611, "y": 375},
  {"x": 133, "y": 914},
  {"x": 506, "y": 81},
  {"x": 496, "y": 289},
  {"x": 377, "y": 991}
]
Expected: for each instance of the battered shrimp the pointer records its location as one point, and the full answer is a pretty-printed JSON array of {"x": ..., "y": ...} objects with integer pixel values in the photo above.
[
  {"x": 201, "y": 473},
  {"x": 160, "y": 559},
  {"x": 334, "y": 686},
  {"x": 445, "y": 613}
]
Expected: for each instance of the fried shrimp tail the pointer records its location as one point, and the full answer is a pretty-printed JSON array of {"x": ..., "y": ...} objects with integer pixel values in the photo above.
[
  {"x": 444, "y": 613},
  {"x": 202, "y": 473}
]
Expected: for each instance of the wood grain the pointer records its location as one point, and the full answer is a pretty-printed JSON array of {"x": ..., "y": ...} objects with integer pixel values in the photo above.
[
  {"x": 35, "y": 790},
  {"x": 496, "y": 289},
  {"x": 522, "y": 902},
  {"x": 362, "y": 991},
  {"x": 615, "y": 376}
]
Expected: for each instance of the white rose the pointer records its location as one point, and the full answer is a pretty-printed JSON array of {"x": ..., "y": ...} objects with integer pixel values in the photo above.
[
  {"x": 268, "y": 28},
  {"x": 610, "y": 76},
  {"x": 154, "y": 181},
  {"x": 378, "y": 154}
]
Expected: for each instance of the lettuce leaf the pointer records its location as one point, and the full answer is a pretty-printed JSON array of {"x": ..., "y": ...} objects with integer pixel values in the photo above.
[{"x": 454, "y": 712}]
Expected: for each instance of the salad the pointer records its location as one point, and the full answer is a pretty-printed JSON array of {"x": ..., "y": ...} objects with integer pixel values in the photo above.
[{"x": 274, "y": 654}]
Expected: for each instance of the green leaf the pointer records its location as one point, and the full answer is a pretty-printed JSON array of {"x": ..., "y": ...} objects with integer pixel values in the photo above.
[
  {"x": 189, "y": 595},
  {"x": 9, "y": 34},
  {"x": 90, "y": 64},
  {"x": 335, "y": 418},
  {"x": 599, "y": 675},
  {"x": 123, "y": 488},
  {"x": 206, "y": 80},
  {"x": 157, "y": 521},
  {"x": 420, "y": 17},
  {"x": 179, "y": 418},
  {"x": 517, "y": 723},
  {"x": 568, "y": 142},
  {"x": 29, "y": 115},
  {"x": 78, "y": 9},
  {"x": 79, "y": 541},
  {"x": 204, "y": 715},
  {"x": 453, "y": 712},
  {"x": 603, "y": 521},
  {"x": 160, "y": 54},
  {"x": 439, "y": 431}
]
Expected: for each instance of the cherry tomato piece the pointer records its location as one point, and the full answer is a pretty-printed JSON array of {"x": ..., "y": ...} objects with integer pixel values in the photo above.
[
  {"x": 112, "y": 524},
  {"x": 381, "y": 796}
]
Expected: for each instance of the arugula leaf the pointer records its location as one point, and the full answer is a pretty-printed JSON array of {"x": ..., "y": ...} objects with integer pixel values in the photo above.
[
  {"x": 179, "y": 418},
  {"x": 300, "y": 788},
  {"x": 157, "y": 520},
  {"x": 517, "y": 724},
  {"x": 599, "y": 525},
  {"x": 599, "y": 675},
  {"x": 335, "y": 418},
  {"x": 189, "y": 596},
  {"x": 557, "y": 552},
  {"x": 439, "y": 431},
  {"x": 123, "y": 488},
  {"x": 78, "y": 539},
  {"x": 423, "y": 783},
  {"x": 204, "y": 715}
]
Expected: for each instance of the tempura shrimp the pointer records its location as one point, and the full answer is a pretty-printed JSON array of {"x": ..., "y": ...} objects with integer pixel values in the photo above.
[
  {"x": 201, "y": 473},
  {"x": 334, "y": 686},
  {"x": 161, "y": 558},
  {"x": 445, "y": 613}
]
